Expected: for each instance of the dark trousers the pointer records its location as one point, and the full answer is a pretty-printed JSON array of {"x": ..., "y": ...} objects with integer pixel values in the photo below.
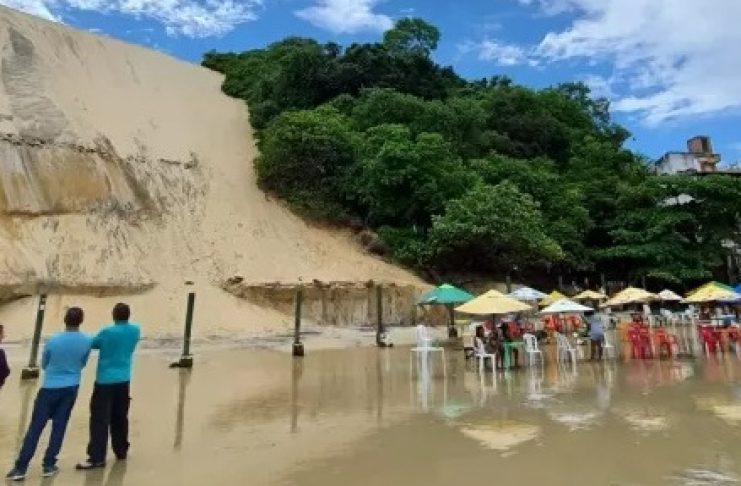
[
  {"x": 109, "y": 412},
  {"x": 53, "y": 404},
  {"x": 596, "y": 349}
]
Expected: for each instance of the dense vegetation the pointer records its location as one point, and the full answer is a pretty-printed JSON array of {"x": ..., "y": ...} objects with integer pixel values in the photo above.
[{"x": 481, "y": 176}]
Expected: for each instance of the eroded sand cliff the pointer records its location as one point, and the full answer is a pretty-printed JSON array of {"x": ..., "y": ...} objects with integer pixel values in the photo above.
[{"x": 124, "y": 174}]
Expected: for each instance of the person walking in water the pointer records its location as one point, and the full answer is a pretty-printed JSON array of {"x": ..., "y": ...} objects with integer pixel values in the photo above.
[
  {"x": 109, "y": 405},
  {"x": 64, "y": 356},
  {"x": 4, "y": 368}
]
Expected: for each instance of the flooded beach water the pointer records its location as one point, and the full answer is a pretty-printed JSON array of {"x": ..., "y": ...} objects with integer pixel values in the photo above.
[{"x": 366, "y": 417}]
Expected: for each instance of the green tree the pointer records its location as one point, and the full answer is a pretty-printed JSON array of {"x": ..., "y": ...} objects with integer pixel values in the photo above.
[
  {"x": 674, "y": 228},
  {"x": 304, "y": 156},
  {"x": 562, "y": 203},
  {"x": 494, "y": 226},
  {"x": 403, "y": 180},
  {"x": 412, "y": 36}
]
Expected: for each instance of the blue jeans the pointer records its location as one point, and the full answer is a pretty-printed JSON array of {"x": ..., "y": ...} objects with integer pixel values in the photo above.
[{"x": 53, "y": 404}]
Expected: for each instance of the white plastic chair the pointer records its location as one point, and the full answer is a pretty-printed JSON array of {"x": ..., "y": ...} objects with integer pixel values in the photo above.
[
  {"x": 607, "y": 348},
  {"x": 424, "y": 347},
  {"x": 564, "y": 348},
  {"x": 531, "y": 348},
  {"x": 481, "y": 355}
]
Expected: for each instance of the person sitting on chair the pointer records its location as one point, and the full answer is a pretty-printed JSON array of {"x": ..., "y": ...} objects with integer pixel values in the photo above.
[{"x": 506, "y": 337}]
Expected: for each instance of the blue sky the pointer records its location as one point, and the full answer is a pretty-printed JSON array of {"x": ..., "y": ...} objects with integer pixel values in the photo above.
[{"x": 669, "y": 67}]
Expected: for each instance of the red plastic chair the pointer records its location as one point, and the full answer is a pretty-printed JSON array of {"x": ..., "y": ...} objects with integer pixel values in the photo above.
[
  {"x": 667, "y": 341},
  {"x": 708, "y": 339},
  {"x": 733, "y": 337},
  {"x": 639, "y": 346}
]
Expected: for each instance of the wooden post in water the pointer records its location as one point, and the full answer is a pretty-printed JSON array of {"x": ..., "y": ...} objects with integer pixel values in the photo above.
[
  {"x": 381, "y": 341},
  {"x": 452, "y": 330},
  {"x": 604, "y": 282},
  {"x": 183, "y": 380},
  {"x": 509, "y": 283},
  {"x": 560, "y": 282},
  {"x": 32, "y": 370},
  {"x": 298, "y": 346},
  {"x": 643, "y": 282},
  {"x": 186, "y": 359}
]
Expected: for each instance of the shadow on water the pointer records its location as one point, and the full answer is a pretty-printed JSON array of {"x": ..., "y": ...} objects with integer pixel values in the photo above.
[
  {"x": 27, "y": 387},
  {"x": 113, "y": 476}
]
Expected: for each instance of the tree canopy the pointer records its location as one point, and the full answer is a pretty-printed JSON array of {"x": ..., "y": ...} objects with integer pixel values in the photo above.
[{"x": 481, "y": 175}]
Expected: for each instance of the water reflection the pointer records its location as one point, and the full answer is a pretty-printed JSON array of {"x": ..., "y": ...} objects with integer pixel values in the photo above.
[
  {"x": 297, "y": 371},
  {"x": 113, "y": 476},
  {"x": 183, "y": 381},
  {"x": 27, "y": 389}
]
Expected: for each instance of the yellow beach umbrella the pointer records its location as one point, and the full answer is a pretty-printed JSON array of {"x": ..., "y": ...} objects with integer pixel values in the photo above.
[
  {"x": 551, "y": 298},
  {"x": 631, "y": 295},
  {"x": 492, "y": 303},
  {"x": 590, "y": 295},
  {"x": 712, "y": 292}
]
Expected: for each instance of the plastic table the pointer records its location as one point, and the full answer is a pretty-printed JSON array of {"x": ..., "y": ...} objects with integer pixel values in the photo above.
[{"x": 508, "y": 347}]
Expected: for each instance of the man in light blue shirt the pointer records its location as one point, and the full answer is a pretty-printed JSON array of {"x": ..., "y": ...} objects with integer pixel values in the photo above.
[
  {"x": 109, "y": 405},
  {"x": 64, "y": 356}
]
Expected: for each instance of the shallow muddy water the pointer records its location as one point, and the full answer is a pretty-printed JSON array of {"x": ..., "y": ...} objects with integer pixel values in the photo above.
[{"x": 358, "y": 417}]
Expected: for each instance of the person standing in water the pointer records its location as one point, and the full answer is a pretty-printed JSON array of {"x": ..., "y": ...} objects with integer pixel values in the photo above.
[
  {"x": 109, "y": 405},
  {"x": 4, "y": 368},
  {"x": 596, "y": 335},
  {"x": 64, "y": 356}
]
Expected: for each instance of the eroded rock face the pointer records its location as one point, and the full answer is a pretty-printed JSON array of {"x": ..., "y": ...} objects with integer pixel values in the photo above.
[
  {"x": 55, "y": 196},
  {"x": 333, "y": 303}
]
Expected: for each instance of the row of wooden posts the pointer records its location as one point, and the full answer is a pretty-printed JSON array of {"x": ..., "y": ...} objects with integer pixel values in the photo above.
[
  {"x": 186, "y": 358},
  {"x": 32, "y": 370},
  {"x": 298, "y": 346}
]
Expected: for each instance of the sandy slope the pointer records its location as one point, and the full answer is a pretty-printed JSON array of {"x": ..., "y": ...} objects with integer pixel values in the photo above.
[{"x": 125, "y": 171}]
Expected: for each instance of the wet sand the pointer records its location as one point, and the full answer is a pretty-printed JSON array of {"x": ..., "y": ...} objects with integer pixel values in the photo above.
[{"x": 246, "y": 416}]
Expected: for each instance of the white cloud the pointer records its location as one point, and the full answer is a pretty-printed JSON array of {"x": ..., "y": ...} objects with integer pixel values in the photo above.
[
  {"x": 551, "y": 7},
  {"x": 670, "y": 58},
  {"x": 189, "y": 18},
  {"x": 38, "y": 8},
  {"x": 600, "y": 86},
  {"x": 491, "y": 50},
  {"x": 346, "y": 16}
]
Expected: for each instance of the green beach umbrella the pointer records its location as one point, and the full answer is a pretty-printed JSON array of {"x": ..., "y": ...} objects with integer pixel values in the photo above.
[
  {"x": 449, "y": 296},
  {"x": 445, "y": 294}
]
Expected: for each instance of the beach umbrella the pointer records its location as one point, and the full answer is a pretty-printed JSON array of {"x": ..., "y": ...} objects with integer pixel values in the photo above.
[
  {"x": 446, "y": 295},
  {"x": 667, "y": 295},
  {"x": 712, "y": 292},
  {"x": 552, "y": 297},
  {"x": 526, "y": 294},
  {"x": 631, "y": 295},
  {"x": 492, "y": 302},
  {"x": 565, "y": 306},
  {"x": 590, "y": 295}
]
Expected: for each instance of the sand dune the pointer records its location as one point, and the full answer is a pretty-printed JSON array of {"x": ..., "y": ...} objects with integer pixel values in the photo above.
[{"x": 124, "y": 172}]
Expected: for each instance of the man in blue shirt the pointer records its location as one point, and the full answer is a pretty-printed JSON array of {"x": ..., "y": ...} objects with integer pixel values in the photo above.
[
  {"x": 109, "y": 405},
  {"x": 64, "y": 356}
]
